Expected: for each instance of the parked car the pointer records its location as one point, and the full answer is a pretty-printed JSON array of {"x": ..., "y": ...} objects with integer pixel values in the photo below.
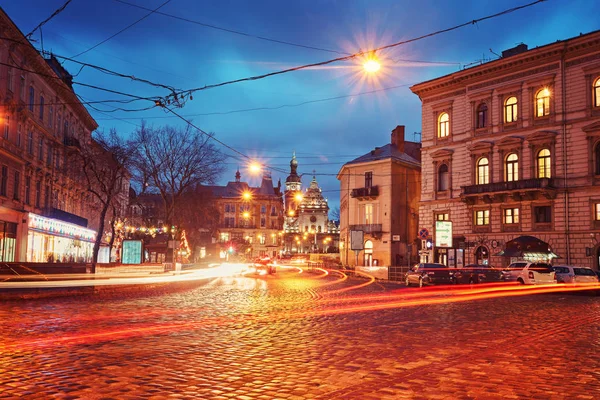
[
  {"x": 428, "y": 274},
  {"x": 477, "y": 273},
  {"x": 569, "y": 274},
  {"x": 530, "y": 273}
]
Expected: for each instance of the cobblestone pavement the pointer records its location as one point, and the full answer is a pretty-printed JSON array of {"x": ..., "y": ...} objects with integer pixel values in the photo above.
[{"x": 300, "y": 336}]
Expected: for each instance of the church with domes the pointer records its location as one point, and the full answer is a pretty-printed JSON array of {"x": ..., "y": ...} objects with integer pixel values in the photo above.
[{"x": 307, "y": 228}]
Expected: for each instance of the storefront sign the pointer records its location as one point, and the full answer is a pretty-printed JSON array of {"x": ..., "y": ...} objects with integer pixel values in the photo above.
[
  {"x": 443, "y": 234},
  {"x": 60, "y": 228},
  {"x": 132, "y": 252}
]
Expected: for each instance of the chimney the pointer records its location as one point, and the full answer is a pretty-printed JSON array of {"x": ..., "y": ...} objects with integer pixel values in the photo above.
[
  {"x": 522, "y": 48},
  {"x": 398, "y": 138}
]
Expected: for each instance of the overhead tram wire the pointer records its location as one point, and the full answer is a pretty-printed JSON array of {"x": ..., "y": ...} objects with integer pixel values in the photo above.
[
  {"x": 122, "y": 30},
  {"x": 211, "y": 26},
  {"x": 358, "y": 54},
  {"x": 54, "y": 14}
]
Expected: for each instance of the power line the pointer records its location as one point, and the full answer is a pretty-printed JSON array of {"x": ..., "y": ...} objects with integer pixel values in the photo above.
[
  {"x": 122, "y": 30},
  {"x": 234, "y": 31},
  {"x": 351, "y": 56},
  {"x": 54, "y": 14}
]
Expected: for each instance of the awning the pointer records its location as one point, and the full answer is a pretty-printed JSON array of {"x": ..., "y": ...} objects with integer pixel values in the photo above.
[{"x": 528, "y": 247}]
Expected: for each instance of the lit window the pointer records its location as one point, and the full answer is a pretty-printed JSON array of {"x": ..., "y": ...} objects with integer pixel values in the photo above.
[
  {"x": 597, "y": 211},
  {"x": 482, "y": 217},
  {"x": 443, "y": 178},
  {"x": 597, "y": 93},
  {"x": 443, "y": 125},
  {"x": 442, "y": 217},
  {"x": 511, "y": 216},
  {"x": 510, "y": 110},
  {"x": 482, "y": 111},
  {"x": 512, "y": 168},
  {"x": 368, "y": 214},
  {"x": 483, "y": 171},
  {"x": 542, "y": 103},
  {"x": 224, "y": 236},
  {"x": 543, "y": 163}
]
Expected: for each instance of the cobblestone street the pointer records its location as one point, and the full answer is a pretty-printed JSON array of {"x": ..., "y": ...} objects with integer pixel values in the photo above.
[{"x": 300, "y": 336}]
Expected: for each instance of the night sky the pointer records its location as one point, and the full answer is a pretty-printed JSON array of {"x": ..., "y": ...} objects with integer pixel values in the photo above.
[{"x": 324, "y": 134}]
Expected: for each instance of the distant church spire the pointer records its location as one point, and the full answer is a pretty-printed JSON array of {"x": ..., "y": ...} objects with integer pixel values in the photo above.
[{"x": 238, "y": 176}]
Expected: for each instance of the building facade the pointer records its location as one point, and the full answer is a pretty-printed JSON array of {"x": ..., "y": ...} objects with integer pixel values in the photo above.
[
  {"x": 379, "y": 202},
  {"x": 511, "y": 149},
  {"x": 45, "y": 214},
  {"x": 251, "y": 218}
]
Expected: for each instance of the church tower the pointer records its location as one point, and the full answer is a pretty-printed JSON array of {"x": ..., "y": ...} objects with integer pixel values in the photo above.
[{"x": 293, "y": 187}]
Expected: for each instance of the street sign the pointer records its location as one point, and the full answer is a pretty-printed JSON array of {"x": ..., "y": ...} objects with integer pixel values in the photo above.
[
  {"x": 357, "y": 240},
  {"x": 443, "y": 234},
  {"x": 423, "y": 233}
]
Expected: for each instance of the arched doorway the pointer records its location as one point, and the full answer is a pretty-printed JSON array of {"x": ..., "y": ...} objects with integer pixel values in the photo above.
[
  {"x": 368, "y": 261},
  {"x": 482, "y": 255}
]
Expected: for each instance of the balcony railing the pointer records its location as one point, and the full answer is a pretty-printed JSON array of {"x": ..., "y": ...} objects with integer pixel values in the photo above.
[
  {"x": 365, "y": 192},
  {"x": 526, "y": 184},
  {"x": 367, "y": 228}
]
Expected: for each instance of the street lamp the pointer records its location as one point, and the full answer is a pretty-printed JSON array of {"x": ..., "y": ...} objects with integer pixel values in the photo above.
[{"x": 372, "y": 64}]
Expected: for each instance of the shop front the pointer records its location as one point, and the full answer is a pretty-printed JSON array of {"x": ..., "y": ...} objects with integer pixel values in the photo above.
[
  {"x": 8, "y": 241},
  {"x": 52, "y": 240}
]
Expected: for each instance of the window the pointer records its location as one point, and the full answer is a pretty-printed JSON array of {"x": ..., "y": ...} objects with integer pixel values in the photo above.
[
  {"x": 49, "y": 154},
  {"x": 17, "y": 186},
  {"x": 51, "y": 117},
  {"x": 483, "y": 171},
  {"x": 512, "y": 168},
  {"x": 542, "y": 214},
  {"x": 47, "y": 196},
  {"x": 597, "y": 211},
  {"x": 6, "y": 127},
  {"x": 482, "y": 112},
  {"x": 27, "y": 190},
  {"x": 41, "y": 149},
  {"x": 224, "y": 236},
  {"x": 22, "y": 88},
  {"x": 482, "y": 217},
  {"x": 19, "y": 135},
  {"x": 510, "y": 110},
  {"x": 273, "y": 212},
  {"x": 261, "y": 238},
  {"x": 263, "y": 222},
  {"x": 511, "y": 215},
  {"x": 31, "y": 98},
  {"x": 4, "y": 180},
  {"x": 443, "y": 125},
  {"x": 42, "y": 108},
  {"x": 229, "y": 222},
  {"x": 443, "y": 178},
  {"x": 368, "y": 213},
  {"x": 66, "y": 129},
  {"x": 442, "y": 217},
  {"x": 30, "y": 142},
  {"x": 543, "y": 164},
  {"x": 368, "y": 179},
  {"x": 596, "y": 92},
  {"x": 9, "y": 79},
  {"x": 263, "y": 209},
  {"x": 542, "y": 103},
  {"x": 38, "y": 193}
]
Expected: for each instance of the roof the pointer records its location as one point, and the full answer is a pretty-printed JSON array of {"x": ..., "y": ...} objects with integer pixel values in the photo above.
[{"x": 388, "y": 151}]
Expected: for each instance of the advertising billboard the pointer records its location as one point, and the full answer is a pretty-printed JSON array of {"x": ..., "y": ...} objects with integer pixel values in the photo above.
[{"x": 132, "y": 252}]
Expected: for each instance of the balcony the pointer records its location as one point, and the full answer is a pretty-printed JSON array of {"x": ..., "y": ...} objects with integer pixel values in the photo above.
[
  {"x": 527, "y": 189},
  {"x": 365, "y": 193},
  {"x": 72, "y": 142},
  {"x": 367, "y": 228}
]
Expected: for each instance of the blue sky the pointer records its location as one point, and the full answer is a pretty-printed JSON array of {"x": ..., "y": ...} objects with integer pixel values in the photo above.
[{"x": 324, "y": 134}]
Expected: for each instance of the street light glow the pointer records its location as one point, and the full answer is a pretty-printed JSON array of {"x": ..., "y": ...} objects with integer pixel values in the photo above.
[
  {"x": 372, "y": 65},
  {"x": 299, "y": 197},
  {"x": 246, "y": 214},
  {"x": 255, "y": 168},
  {"x": 246, "y": 195}
]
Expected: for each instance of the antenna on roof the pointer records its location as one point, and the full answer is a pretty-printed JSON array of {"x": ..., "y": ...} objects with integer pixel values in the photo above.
[{"x": 494, "y": 53}]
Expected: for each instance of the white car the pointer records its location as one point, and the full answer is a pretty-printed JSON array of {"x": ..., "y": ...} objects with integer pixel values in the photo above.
[
  {"x": 569, "y": 274},
  {"x": 530, "y": 273}
]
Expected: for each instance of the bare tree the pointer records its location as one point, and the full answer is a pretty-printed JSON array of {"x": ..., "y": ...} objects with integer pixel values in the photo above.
[
  {"x": 172, "y": 161},
  {"x": 102, "y": 162},
  {"x": 334, "y": 214}
]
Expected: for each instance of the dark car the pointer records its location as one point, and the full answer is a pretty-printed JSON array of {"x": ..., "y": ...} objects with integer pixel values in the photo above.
[
  {"x": 428, "y": 274},
  {"x": 477, "y": 273}
]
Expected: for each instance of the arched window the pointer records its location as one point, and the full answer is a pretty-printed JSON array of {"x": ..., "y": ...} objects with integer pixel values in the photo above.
[
  {"x": 542, "y": 103},
  {"x": 596, "y": 90},
  {"x": 443, "y": 125},
  {"x": 483, "y": 171},
  {"x": 597, "y": 159},
  {"x": 543, "y": 164},
  {"x": 510, "y": 110},
  {"x": 482, "y": 111},
  {"x": 512, "y": 168},
  {"x": 443, "y": 178}
]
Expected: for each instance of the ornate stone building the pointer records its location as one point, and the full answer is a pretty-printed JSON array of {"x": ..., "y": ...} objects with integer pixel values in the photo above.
[
  {"x": 45, "y": 213},
  {"x": 511, "y": 149}
]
